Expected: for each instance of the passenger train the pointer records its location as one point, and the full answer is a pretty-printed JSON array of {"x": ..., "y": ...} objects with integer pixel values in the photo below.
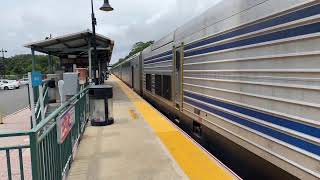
[{"x": 244, "y": 79}]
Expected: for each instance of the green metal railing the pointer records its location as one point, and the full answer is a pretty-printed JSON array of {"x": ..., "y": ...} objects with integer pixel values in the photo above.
[
  {"x": 49, "y": 159},
  {"x": 10, "y": 149}
]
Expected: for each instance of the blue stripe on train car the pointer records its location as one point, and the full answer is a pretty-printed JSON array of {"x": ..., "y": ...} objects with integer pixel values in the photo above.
[
  {"x": 300, "y": 127},
  {"x": 288, "y": 33},
  {"x": 159, "y": 60},
  {"x": 159, "y": 55},
  {"x": 310, "y": 147},
  {"x": 300, "y": 14},
  {"x": 290, "y": 17}
]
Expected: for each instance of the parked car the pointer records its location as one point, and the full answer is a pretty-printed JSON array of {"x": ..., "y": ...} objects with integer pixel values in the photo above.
[
  {"x": 24, "y": 81},
  {"x": 9, "y": 84}
]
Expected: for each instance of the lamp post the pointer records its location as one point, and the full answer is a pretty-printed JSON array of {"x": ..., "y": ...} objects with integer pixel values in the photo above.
[
  {"x": 105, "y": 7},
  {"x": 3, "y": 63}
]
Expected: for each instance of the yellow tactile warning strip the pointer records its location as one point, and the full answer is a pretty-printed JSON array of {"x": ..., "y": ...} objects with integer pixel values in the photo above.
[{"x": 193, "y": 160}]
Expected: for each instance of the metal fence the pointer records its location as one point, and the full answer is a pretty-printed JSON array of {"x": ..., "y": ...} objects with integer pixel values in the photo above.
[
  {"x": 12, "y": 77},
  {"x": 49, "y": 160}
]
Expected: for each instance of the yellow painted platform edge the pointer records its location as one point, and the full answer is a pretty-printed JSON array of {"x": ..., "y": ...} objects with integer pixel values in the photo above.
[{"x": 192, "y": 159}]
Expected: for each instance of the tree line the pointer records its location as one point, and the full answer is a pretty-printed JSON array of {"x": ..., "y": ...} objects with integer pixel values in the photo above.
[
  {"x": 22, "y": 64},
  {"x": 137, "y": 47}
]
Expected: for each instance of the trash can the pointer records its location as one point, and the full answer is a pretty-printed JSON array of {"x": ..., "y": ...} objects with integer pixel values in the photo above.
[
  {"x": 101, "y": 105},
  {"x": 52, "y": 91}
]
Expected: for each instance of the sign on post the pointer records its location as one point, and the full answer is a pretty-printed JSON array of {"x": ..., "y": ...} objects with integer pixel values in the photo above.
[
  {"x": 65, "y": 123},
  {"x": 36, "y": 78}
]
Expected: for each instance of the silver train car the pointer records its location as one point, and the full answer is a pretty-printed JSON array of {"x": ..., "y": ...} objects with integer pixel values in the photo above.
[
  {"x": 130, "y": 72},
  {"x": 244, "y": 76}
]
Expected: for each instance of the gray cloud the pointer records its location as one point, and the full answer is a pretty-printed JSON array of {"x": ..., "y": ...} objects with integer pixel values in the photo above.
[{"x": 131, "y": 21}]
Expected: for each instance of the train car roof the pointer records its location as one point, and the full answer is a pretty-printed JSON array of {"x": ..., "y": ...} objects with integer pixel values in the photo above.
[
  {"x": 129, "y": 59},
  {"x": 210, "y": 17},
  {"x": 169, "y": 38}
]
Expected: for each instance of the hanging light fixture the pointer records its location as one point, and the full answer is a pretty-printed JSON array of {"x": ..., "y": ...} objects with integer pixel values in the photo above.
[{"x": 106, "y": 6}]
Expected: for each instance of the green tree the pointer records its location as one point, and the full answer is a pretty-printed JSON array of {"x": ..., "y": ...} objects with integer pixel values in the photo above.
[
  {"x": 22, "y": 64},
  {"x": 137, "y": 47}
]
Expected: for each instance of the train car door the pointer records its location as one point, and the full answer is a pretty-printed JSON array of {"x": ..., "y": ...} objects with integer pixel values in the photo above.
[
  {"x": 140, "y": 78},
  {"x": 178, "y": 69},
  {"x": 132, "y": 77},
  {"x": 120, "y": 72}
]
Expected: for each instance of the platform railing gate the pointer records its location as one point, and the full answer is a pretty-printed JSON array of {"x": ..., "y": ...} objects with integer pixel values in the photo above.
[
  {"x": 50, "y": 160},
  {"x": 10, "y": 152}
]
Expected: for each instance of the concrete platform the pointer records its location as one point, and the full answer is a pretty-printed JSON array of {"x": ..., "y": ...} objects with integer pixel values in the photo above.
[
  {"x": 126, "y": 150},
  {"x": 142, "y": 144}
]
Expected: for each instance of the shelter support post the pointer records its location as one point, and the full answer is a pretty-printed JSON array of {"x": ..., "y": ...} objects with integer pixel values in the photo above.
[
  {"x": 90, "y": 64},
  {"x": 49, "y": 63},
  {"x": 33, "y": 60},
  {"x": 91, "y": 76}
]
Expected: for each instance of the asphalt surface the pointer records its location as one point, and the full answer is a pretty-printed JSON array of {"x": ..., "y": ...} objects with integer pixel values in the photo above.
[{"x": 13, "y": 100}]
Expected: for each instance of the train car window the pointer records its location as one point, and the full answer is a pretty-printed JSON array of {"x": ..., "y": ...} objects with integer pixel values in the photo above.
[
  {"x": 196, "y": 111},
  {"x": 148, "y": 82},
  {"x": 166, "y": 87},
  {"x": 178, "y": 60},
  {"x": 158, "y": 85}
]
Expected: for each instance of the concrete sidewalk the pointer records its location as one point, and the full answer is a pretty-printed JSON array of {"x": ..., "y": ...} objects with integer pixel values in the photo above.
[
  {"x": 126, "y": 150},
  {"x": 16, "y": 122},
  {"x": 19, "y": 120}
]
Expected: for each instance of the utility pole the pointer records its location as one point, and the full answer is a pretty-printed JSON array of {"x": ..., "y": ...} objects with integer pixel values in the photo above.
[
  {"x": 4, "y": 76},
  {"x": 3, "y": 62}
]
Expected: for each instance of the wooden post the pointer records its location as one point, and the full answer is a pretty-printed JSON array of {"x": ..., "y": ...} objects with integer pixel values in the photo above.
[{"x": 1, "y": 118}]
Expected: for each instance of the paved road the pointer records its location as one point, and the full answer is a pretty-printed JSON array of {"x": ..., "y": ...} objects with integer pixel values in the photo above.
[{"x": 13, "y": 100}]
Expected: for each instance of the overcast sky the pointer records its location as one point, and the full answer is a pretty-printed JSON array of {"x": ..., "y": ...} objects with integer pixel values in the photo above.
[{"x": 24, "y": 21}]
